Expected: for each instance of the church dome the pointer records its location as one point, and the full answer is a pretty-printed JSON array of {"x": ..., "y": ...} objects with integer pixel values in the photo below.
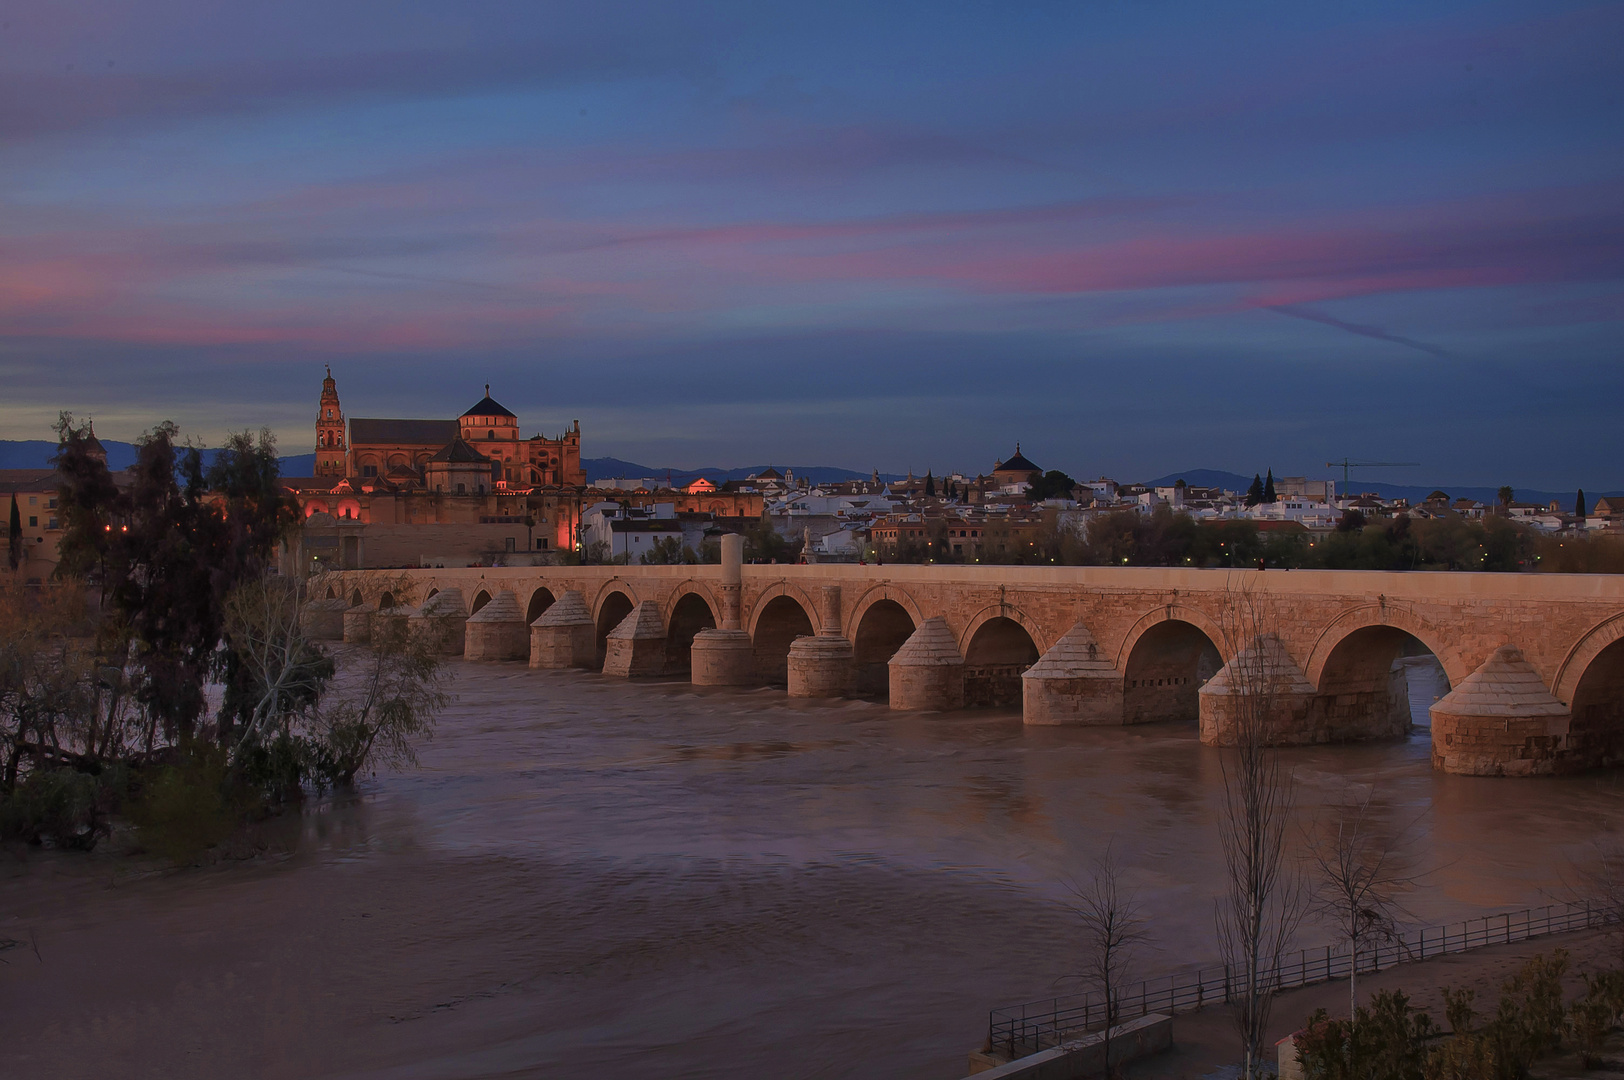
[{"x": 488, "y": 406}]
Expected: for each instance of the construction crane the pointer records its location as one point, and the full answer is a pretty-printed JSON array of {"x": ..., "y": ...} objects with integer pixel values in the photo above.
[{"x": 1347, "y": 463}]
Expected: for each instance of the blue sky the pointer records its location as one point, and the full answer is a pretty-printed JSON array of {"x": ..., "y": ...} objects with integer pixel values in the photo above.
[{"x": 1137, "y": 237}]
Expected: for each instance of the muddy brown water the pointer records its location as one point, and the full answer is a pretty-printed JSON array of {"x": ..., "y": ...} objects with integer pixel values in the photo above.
[{"x": 586, "y": 877}]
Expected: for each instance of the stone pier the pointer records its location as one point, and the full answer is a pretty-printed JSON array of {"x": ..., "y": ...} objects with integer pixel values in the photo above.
[
  {"x": 637, "y": 645},
  {"x": 562, "y": 636},
  {"x": 1261, "y": 686},
  {"x": 323, "y": 620},
  {"x": 1500, "y": 721},
  {"x": 927, "y": 673},
  {"x": 358, "y": 624},
  {"x": 442, "y": 621},
  {"x": 725, "y": 656},
  {"x": 497, "y": 631},
  {"x": 1073, "y": 683},
  {"x": 822, "y": 665}
]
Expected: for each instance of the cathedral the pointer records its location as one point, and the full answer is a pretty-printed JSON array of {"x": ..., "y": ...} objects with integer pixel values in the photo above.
[{"x": 481, "y": 451}]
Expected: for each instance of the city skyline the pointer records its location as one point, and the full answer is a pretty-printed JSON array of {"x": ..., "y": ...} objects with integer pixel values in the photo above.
[{"x": 1144, "y": 238}]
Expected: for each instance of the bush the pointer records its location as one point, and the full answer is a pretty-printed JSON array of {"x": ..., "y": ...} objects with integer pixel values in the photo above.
[
  {"x": 1388, "y": 1041},
  {"x": 58, "y": 807},
  {"x": 184, "y": 809}
]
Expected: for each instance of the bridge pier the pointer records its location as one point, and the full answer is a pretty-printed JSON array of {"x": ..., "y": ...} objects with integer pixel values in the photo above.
[
  {"x": 725, "y": 656},
  {"x": 822, "y": 665},
  {"x": 497, "y": 631},
  {"x": 1072, "y": 683},
  {"x": 562, "y": 636},
  {"x": 637, "y": 645},
  {"x": 1501, "y": 721},
  {"x": 358, "y": 624},
  {"x": 323, "y": 620},
  {"x": 1264, "y": 677},
  {"x": 442, "y": 621},
  {"x": 927, "y": 673}
]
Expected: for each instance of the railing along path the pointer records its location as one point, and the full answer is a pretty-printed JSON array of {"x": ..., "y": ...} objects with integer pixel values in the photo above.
[{"x": 1018, "y": 1030}]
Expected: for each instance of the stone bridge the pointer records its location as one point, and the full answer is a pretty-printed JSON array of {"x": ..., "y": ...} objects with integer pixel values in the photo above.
[{"x": 1534, "y": 661}]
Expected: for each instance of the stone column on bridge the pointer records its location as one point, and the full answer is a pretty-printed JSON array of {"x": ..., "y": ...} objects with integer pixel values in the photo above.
[
  {"x": 1073, "y": 683},
  {"x": 636, "y": 648},
  {"x": 1501, "y": 721},
  {"x": 442, "y": 621},
  {"x": 822, "y": 665},
  {"x": 497, "y": 631},
  {"x": 323, "y": 620},
  {"x": 928, "y": 672},
  {"x": 723, "y": 656},
  {"x": 1261, "y": 684},
  {"x": 564, "y": 635},
  {"x": 358, "y": 624}
]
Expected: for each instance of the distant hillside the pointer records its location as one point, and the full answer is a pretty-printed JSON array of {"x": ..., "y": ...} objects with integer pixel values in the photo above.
[
  {"x": 1413, "y": 492},
  {"x": 37, "y": 454},
  {"x": 608, "y": 468}
]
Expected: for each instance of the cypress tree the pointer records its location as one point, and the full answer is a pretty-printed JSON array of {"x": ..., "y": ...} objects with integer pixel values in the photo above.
[
  {"x": 930, "y": 485},
  {"x": 1268, "y": 489},
  {"x": 14, "y": 534},
  {"x": 1254, "y": 494},
  {"x": 1578, "y": 505}
]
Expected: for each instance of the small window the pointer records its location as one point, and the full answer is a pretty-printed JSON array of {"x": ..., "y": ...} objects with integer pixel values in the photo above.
[
  {"x": 490, "y": 435},
  {"x": 369, "y": 470},
  {"x": 542, "y": 544},
  {"x": 50, "y": 504},
  {"x": 512, "y": 544},
  {"x": 51, "y": 524},
  {"x": 462, "y": 489},
  {"x": 33, "y": 500},
  {"x": 33, "y": 522}
]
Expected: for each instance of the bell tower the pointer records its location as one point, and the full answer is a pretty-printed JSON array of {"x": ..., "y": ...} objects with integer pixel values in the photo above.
[{"x": 331, "y": 449}]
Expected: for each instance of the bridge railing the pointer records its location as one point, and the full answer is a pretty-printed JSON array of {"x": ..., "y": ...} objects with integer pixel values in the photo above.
[{"x": 1018, "y": 1030}]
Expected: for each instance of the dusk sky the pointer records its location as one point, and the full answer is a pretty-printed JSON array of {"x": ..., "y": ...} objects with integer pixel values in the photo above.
[{"x": 1137, "y": 237}]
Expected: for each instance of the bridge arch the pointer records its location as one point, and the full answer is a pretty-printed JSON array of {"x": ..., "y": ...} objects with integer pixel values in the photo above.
[
  {"x": 775, "y": 622},
  {"x": 877, "y": 628},
  {"x": 1369, "y": 616},
  {"x": 1596, "y": 704},
  {"x": 614, "y": 602},
  {"x": 481, "y": 598},
  {"x": 1172, "y": 613},
  {"x": 998, "y": 645},
  {"x": 356, "y": 599},
  {"x": 689, "y": 610},
  {"x": 1583, "y": 654},
  {"x": 386, "y": 600},
  {"x": 1165, "y": 659},
  {"x": 773, "y": 592},
  {"x": 540, "y": 600},
  {"x": 691, "y": 587},
  {"x": 610, "y": 587}
]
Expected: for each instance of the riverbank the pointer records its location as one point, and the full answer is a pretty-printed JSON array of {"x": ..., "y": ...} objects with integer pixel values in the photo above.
[{"x": 1205, "y": 1042}]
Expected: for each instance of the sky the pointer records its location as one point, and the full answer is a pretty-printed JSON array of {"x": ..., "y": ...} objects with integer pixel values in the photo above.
[{"x": 1134, "y": 236}]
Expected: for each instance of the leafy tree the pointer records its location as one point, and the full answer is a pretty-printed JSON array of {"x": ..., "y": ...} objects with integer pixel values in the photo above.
[
  {"x": 1254, "y": 494},
  {"x": 1504, "y": 496},
  {"x": 669, "y": 551},
  {"x": 166, "y": 551},
  {"x": 1352, "y": 520},
  {"x": 1053, "y": 484},
  {"x": 1268, "y": 489}
]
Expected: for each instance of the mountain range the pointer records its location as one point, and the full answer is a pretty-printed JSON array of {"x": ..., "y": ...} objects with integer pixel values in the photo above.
[{"x": 37, "y": 453}]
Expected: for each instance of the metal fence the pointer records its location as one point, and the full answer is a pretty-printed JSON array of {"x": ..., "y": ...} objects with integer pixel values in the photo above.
[{"x": 1018, "y": 1030}]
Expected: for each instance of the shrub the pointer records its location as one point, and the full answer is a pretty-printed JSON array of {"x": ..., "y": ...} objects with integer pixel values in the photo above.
[
  {"x": 184, "y": 808},
  {"x": 1387, "y": 1041},
  {"x": 59, "y": 807}
]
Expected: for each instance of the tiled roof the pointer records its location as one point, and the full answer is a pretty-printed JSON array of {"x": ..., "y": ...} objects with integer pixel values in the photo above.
[{"x": 419, "y": 432}]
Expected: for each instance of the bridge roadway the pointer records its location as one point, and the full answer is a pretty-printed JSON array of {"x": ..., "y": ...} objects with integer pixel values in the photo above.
[{"x": 1535, "y": 661}]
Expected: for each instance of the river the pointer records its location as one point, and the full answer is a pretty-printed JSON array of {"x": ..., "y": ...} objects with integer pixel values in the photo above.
[{"x": 586, "y": 877}]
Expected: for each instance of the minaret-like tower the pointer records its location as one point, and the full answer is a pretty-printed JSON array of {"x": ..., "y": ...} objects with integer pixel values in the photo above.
[{"x": 331, "y": 448}]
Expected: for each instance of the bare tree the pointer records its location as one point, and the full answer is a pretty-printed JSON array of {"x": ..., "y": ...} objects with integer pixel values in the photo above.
[
  {"x": 281, "y": 672},
  {"x": 1356, "y": 881},
  {"x": 1113, "y": 932},
  {"x": 1266, "y": 900}
]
